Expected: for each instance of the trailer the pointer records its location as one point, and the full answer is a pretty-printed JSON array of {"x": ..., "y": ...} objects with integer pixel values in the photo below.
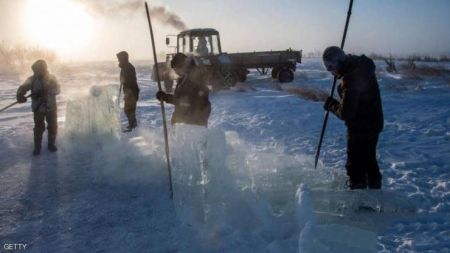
[
  {"x": 282, "y": 63},
  {"x": 225, "y": 69}
]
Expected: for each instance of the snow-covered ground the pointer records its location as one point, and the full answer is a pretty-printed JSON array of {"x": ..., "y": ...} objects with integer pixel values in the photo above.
[{"x": 245, "y": 185}]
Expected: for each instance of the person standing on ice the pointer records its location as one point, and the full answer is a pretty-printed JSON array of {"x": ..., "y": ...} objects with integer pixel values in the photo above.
[
  {"x": 44, "y": 87},
  {"x": 128, "y": 81},
  {"x": 191, "y": 95},
  {"x": 361, "y": 109}
]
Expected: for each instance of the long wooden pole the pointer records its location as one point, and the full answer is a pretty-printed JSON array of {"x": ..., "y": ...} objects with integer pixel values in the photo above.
[
  {"x": 163, "y": 111},
  {"x": 11, "y": 105},
  {"x": 325, "y": 120}
]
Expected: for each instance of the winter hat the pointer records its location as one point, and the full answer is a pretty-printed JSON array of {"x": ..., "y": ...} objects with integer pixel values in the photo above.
[
  {"x": 178, "y": 60},
  {"x": 333, "y": 58},
  {"x": 122, "y": 56},
  {"x": 39, "y": 67}
]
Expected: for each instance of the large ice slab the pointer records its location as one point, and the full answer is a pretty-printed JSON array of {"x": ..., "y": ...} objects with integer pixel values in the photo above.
[
  {"x": 94, "y": 115},
  {"x": 324, "y": 238}
]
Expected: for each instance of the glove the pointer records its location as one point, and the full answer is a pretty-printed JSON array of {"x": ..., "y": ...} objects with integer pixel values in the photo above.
[
  {"x": 161, "y": 96},
  {"x": 21, "y": 99},
  {"x": 329, "y": 103}
]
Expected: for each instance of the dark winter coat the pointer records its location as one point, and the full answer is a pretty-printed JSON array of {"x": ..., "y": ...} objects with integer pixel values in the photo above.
[
  {"x": 191, "y": 100},
  {"x": 43, "y": 92},
  {"x": 360, "y": 106},
  {"x": 128, "y": 77}
]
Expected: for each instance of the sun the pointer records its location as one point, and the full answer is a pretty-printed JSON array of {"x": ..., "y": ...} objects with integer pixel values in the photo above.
[{"x": 60, "y": 25}]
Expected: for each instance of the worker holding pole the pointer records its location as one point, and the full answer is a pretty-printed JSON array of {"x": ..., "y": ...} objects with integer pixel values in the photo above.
[
  {"x": 163, "y": 110},
  {"x": 361, "y": 110},
  {"x": 44, "y": 87},
  {"x": 359, "y": 107}
]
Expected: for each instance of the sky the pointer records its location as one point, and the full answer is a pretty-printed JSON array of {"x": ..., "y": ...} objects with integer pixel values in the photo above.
[{"x": 75, "y": 32}]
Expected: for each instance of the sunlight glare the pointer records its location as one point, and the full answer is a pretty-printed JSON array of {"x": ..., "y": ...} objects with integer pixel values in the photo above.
[{"x": 60, "y": 25}]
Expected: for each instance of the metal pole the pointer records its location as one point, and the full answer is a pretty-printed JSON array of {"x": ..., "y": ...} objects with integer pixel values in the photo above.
[
  {"x": 13, "y": 104},
  {"x": 118, "y": 96},
  {"x": 325, "y": 120},
  {"x": 163, "y": 111}
]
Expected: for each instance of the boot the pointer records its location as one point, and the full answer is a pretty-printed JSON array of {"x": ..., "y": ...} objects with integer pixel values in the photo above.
[
  {"x": 354, "y": 185},
  {"x": 374, "y": 178},
  {"x": 37, "y": 151},
  {"x": 52, "y": 148},
  {"x": 376, "y": 185},
  {"x": 358, "y": 186},
  {"x": 51, "y": 143},
  {"x": 128, "y": 129},
  {"x": 131, "y": 125},
  {"x": 37, "y": 145}
]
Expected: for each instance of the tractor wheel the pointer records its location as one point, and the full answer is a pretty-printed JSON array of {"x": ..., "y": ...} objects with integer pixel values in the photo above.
[
  {"x": 242, "y": 77},
  {"x": 285, "y": 75},
  {"x": 241, "y": 73},
  {"x": 275, "y": 71},
  {"x": 229, "y": 79}
]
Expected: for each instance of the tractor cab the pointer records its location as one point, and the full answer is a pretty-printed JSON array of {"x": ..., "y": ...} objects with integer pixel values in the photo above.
[
  {"x": 199, "y": 42},
  {"x": 224, "y": 69}
]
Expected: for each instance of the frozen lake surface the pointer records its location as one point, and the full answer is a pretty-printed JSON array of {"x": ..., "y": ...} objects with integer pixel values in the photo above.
[{"x": 245, "y": 185}]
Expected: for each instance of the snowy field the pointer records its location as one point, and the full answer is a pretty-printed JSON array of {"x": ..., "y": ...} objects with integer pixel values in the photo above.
[{"x": 245, "y": 185}]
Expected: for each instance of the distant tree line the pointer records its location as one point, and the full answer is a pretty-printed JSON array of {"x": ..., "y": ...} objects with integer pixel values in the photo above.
[
  {"x": 414, "y": 57},
  {"x": 314, "y": 54},
  {"x": 15, "y": 58},
  {"x": 375, "y": 56},
  {"x": 407, "y": 65}
]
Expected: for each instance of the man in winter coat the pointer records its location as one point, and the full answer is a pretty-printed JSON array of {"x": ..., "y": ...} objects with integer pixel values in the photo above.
[
  {"x": 361, "y": 109},
  {"x": 128, "y": 81},
  {"x": 44, "y": 87},
  {"x": 191, "y": 95}
]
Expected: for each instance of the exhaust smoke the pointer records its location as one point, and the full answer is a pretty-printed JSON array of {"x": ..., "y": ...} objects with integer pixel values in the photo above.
[{"x": 107, "y": 8}]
